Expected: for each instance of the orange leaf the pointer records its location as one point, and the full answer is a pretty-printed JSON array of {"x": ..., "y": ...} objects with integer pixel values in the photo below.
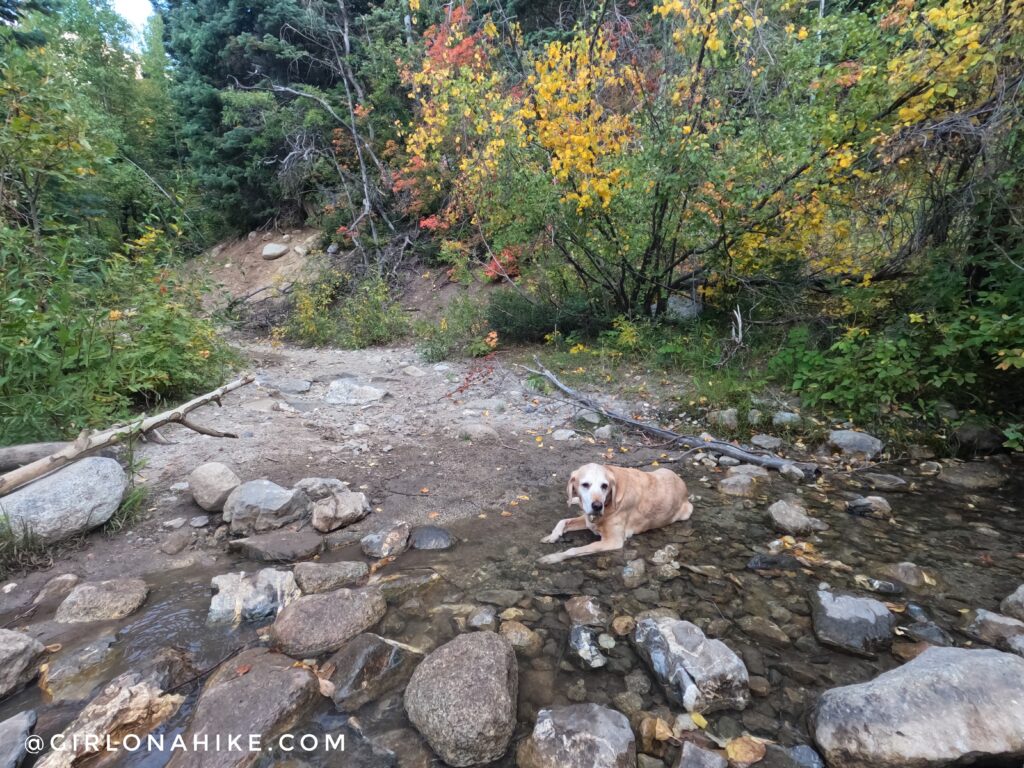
[{"x": 243, "y": 669}]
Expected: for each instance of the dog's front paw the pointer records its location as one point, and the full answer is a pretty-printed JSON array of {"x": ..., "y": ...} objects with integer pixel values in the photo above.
[
  {"x": 550, "y": 559},
  {"x": 550, "y": 539}
]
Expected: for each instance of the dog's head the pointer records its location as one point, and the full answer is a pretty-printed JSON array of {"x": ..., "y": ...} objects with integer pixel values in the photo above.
[{"x": 593, "y": 487}]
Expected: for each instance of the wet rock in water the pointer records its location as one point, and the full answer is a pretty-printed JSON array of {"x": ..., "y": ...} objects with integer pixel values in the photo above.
[
  {"x": 792, "y": 472},
  {"x": 972, "y": 476},
  {"x": 634, "y": 573},
  {"x": 177, "y": 541},
  {"x": 367, "y": 667},
  {"x": 257, "y": 692},
  {"x": 786, "y": 419},
  {"x": 869, "y": 506},
  {"x": 211, "y": 484},
  {"x": 430, "y": 537},
  {"x": 19, "y": 660},
  {"x": 883, "y": 482},
  {"x": 525, "y": 640},
  {"x": 852, "y": 443},
  {"x": 399, "y": 586},
  {"x": 927, "y": 632},
  {"x": 279, "y": 546},
  {"x": 728, "y": 418},
  {"x": 959, "y": 709},
  {"x": 782, "y": 562},
  {"x": 907, "y": 573},
  {"x": 387, "y": 543},
  {"x": 239, "y": 597},
  {"x": 339, "y": 509},
  {"x": 859, "y": 625},
  {"x": 261, "y": 505},
  {"x": 767, "y": 442},
  {"x": 763, "y": 630},
  {"x": 805, "y": 757},
  {"x": 75, "y": 673},
  {"x": 462, "y": 698},
  {"x": 351, "y": 392},
  {"x": 483, "y": 617},
  {"x": 693, "y": 756},
  {"x": 742, "y": 480},
  {"x": 56, "y": 589},
  {"x": 130, "y": 704},
  {"x": 273, "y": 251},
  {"x": 13, "y": 733},
  {"x": 102, "y": 601},
  {"x": 1013, "y": 604},
  {"x": 792, "y": 517},
  {"x": 70, "y": 501},
  {"x": 503, "y": 598},
  {"x": 700, "y": 674},
  {"x": 313, "y": 578},
  {"x": 584, "y": 648},
  {"x": 879, "y": 586},
  {"x": 1002, "y": 632},
  {"x": 973, "y": 439},
  {"x": 623, "y": 625},
  {"x": 666, "y": 555},
  {"x": 579, "y": 736},
  {"x": 584, "y": 609},
  {"x": 316, "y": 624}
]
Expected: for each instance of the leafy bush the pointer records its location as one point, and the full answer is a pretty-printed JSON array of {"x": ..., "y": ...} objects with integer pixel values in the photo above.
[
  {"x": 370, "y": 316},
  {"x": 521, "y": 318},
  {"x": 462, "y": 331}
]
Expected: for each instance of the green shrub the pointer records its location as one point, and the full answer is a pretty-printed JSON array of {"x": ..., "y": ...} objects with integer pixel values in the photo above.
[
  {"x": 462, "y": 331},
  {"x": 369, "y": 316},
  {"x": 520, "y": 318}
]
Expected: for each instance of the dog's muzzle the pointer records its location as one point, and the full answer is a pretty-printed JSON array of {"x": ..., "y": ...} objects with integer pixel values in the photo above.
[{"x": 596, "y": 510}]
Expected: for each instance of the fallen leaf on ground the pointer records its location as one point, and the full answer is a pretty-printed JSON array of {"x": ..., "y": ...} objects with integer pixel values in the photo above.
[{"x": 744, "y": 751}]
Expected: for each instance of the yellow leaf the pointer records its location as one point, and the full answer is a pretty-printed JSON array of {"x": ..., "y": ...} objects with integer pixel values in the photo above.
[{"x": 699, "y": 720}]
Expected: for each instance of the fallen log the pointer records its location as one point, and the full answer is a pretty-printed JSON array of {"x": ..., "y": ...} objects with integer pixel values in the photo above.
[
  {"x": 762, "y": 459},
  {"x": 14, "y": 456},
  {"x": 90, "y": 442}
]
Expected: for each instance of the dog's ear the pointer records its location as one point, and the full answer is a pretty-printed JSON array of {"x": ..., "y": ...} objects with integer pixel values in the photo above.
[
  {"x": 614, "y": 487},
  {"x": 572, "y": 490}
]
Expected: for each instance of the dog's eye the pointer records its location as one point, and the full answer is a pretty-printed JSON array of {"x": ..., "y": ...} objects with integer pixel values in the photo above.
[
  {"x": 604, "y": 486},
  {"x": 586, "y": 485}
]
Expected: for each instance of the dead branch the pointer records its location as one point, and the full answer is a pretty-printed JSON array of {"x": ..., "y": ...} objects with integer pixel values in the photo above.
[
  {"x": 87, "y": 443},
  {"x": 726, "y": 449},
  {"x": 14, "y": 456}
]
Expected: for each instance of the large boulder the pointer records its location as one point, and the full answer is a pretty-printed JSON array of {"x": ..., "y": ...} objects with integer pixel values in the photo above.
[
  {"x": 339, "y": 509},
  {"x": 279, "y": 546},
  {"x": 948, "y": 706},
  {"x": 859, "y": 625},
  {"x": 240, "y": 597},
  {"x": 19, "y": 660},
  {"x": 579, "y": 736},
  {"x": 700, "y": 674},
  {"x": 390, "y": 542},
  {"x": 73, "y": 500},
  {"x": 462, "y": 698},
  {"x": 324, "y": 577},
  {"x": 852, "y": 443},
  {"x": 351, "y": 392},
  {"x": 791, "y": 517},
  {"x": 257, "y": 692},
  {"x": 367, "y": 667},
  {"x": 13, "y": 733},
  {"x": 1013, "y": 604},
  {"x": 261, "y": 505},
  {"x": 316, "y": 624},
  {"x": 102, "y": 601},
  {"x": 211, "y": 484}
]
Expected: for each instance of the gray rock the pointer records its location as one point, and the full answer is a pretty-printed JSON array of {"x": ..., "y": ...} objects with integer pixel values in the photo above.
[
  {"x": 859, "y": 625},
  {"x": 211, "y": 484},
  {"x": 173, "y": 524},
  {"x": 19, "y": 660},
  {"x": 484, "y": 617},
  {"x": 634, "y": 573},
  {"x": 1013, "y": 604},
  {"x": 589, "y": 417},
  {"x": 607, "y": 432},
  {"x": 405, "y": 584},
  {"x": 754, "y": 417},
  {"x": 792, "y": 517},
  {"x": 285, "y": 385},
  {"x": 852, "y": 443},
  {"x": 562, "y": 435},
  {"x": 279, "y": 546},
  {"x": 972, "y": 476},
  {"x": 414, "y": 372},
  {"x": 728, "y": 461},
  {"x": 805, "y": 757},
  {"x": 729, "y": 418},
  {"x": 239, "y": 597},
  {"x": 56, "y": 588},
  {"x": 584, "y": 648},
  {"x": 883, "y": 482},
  {"x": 199, "y": 521},
  {"x": 869, "y": 506},
  {"x": 700, "y": 674},
  {"x": 748, "y": 470},
  {"x": 579, "y": 736},
  {"x": 273, "y": 251},
  {"x": 257, "y": 692},
  {"x": 738, "y": 485},
  {"x": 1002, "y": 632},
  {"x": 318, "y": 488},
  {"x": 907, "y": 573},
  {"x": 387, "y": 543},
  {"x": 786, "y": 419},
  {"x": 695, "y": 757},
  {"x": 13, "y": 732},
  {"x": 478, "y": 432},
  {"x": 70, "y": 501},
  {"x": 339, "y": 509},
  {"x": 523, "y": 639},
  {"x": 74, "y": 674},
  {"x": 977, "y": 439},
  {"x": 351, "y": 392},
  {"x": 102, "y": 601},
  {"x": 792, "y": 472},
  {"x": 462, "y": 698},
  {"x": 950, "y": 704},
  {"x": 313, "y": 578},
  {"x": 503, "y": 598},
  {"x": 767, "y": 442},
  {"x": 316, "y": 624},
  {"x": 176, "y": 541},
  {"x": 764, "y": 631},
  {"x": 261, "y": 505},
  {"x": 369, "y": 666},
  {"x": 430, "y": 537}
]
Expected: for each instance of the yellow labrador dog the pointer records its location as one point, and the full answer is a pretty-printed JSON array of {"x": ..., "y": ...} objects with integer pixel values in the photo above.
[{"x": 617, "y": 503}]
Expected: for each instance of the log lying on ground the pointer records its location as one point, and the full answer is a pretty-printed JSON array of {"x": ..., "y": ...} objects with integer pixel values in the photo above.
[
  {"x": 90, "y": 442},
  {"x": 762, "y": 459},
  {"x": 14, "y": 456}
]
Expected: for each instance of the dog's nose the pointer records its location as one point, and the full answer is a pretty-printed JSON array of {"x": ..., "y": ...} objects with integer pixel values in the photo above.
[{"x": 597, "y": 506}]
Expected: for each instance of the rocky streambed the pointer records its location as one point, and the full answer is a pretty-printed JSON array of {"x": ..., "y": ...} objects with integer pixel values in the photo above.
[{"x": 871, "y": 618}]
